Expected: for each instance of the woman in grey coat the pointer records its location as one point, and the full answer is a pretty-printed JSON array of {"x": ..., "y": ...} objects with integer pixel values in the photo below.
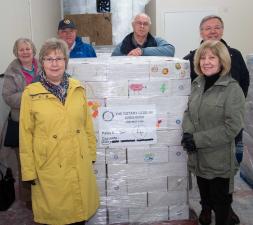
[
  {"x": 20, "y": 72},
  {"x": 213, "y": 118}
]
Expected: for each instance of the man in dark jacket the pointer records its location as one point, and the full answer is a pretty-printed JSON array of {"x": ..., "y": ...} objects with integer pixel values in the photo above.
[
  {"x": 77, "y": 48},
  {"x": 141, "y": 43},
  {"x": 211, "y": 28}
]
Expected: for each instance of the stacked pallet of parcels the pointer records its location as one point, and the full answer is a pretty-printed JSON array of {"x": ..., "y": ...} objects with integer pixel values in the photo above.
[
  {"x": 141, "y": 179},
  {"x": 246, "y": 168}
]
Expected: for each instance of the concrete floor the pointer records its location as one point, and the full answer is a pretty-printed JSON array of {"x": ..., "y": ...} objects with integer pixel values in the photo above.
[
  {"x": 242, "y": 201},
  {"x": 19, "y": 215}
]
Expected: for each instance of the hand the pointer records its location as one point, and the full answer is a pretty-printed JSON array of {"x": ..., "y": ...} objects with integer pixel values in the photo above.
[
  {"x": 135, "y": 52},
  {"x": 188, "y": 143},
  {"x": 186, "y": 137},
  {"x": 30, "y": 182},
  {"x": 239, "y": 151}
]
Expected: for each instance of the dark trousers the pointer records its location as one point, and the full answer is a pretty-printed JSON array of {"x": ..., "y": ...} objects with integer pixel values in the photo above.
[
  {"x": 77, "y": 223},
  {"x": 214, "y": 194}
]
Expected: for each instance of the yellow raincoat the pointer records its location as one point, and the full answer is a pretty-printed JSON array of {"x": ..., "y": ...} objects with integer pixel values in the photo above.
[{"x": 57, "y": 147}]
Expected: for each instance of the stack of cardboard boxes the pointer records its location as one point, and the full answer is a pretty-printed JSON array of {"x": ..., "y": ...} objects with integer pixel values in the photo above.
[{"x": 137, "y": 104}]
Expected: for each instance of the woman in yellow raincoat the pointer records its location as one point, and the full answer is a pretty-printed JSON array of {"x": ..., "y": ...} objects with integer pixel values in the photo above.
[{"x": 57, "y": 142}]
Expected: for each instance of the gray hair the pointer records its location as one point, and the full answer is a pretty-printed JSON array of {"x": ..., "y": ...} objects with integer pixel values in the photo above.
[
  {"x": 23, "y": 40},
  {"x": 140, "y": 15},
  {"x": 206, "y": 18},
  {"x": 54, "y": 44}
]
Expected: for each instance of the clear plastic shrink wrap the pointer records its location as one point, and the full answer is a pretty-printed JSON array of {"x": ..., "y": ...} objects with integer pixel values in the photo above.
[
  {"x": 137, "y": 104},
  {"x": 246, "y": 167}
]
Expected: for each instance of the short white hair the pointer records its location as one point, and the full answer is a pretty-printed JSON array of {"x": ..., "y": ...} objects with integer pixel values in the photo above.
[{"x": 142, "y": 15}]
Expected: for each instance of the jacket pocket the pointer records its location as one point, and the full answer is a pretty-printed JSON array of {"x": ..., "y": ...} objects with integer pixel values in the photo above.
[{"x": 42, "y": 150}]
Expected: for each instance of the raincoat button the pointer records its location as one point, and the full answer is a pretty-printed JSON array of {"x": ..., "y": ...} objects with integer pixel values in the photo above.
[
  {"x": 55, "y": 136},
  {"x": 78, "y": 131}
]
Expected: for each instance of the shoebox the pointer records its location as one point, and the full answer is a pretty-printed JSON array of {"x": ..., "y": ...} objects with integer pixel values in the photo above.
[
  {"x": 148, "y": 214},
  {"x": 177, "y": 154},
  {"x": 172, "y": 68},
  {"x": 162, "y": 199},
  {"x": 106, "y": 89},
  {"x": 147, "y": 154},
  {"x": 116, "y": 187},
  {"x": 99, "y": 169},
  {"x": 87, "y": 69},
  {"x": 179, "y": 212},
  {"x": 126, "y": 201},
  {"x": 116, "y": 155},
  {"x": 169, "y": 137},
  {"x": 177, "y": 183},
  {"x": 149, "y": 88},
  {"x": 147, "y": 185},
  {"x": 180, "y": 87},
  {"x": 117, "y": 215}
]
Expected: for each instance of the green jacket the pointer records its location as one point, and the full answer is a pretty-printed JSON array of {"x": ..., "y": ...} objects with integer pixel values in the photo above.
[{"x": 214, "y": 118}]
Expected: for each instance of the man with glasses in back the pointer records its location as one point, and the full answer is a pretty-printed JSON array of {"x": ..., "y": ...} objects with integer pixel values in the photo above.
[
  {"x": 141, "y": 43},
  {"x": 67, "y": 31},
  {"x": 211, "y": 28}
]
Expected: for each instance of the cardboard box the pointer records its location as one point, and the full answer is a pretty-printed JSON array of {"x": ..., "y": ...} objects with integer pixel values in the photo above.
[
  {"x": 181, "y": 87},
  {"x": 149, "y": 88},
  {"x": 106, "y": 89},
  {"x": 115, "y": 155},
  {"x": 179, "y": 212},
  {"x": 174, "y": 120},
  {"x": 99, "y": 170},
  {"x": 127, "y": 201},
  {"x": 148, "y": 214},
  {"x": 116, "y": 187},
  {"x": 147, "y": 185},
  {"x": 87, "y": 69},
  {"x": 170, "y": 69},
  {"x": 169, "y": 137},
  {"x": 101, "y": 183},
  {"x": 177, "y": 154},
  {"x": 147, "y": 155},
  {"x": 117, "y": 215},
  {"x": 99, "y": 218},
  {"x": 94, "y": 105},
  {"x": 177, "y": 183},
  {"x": 170, "y": 198},
  {"x": 96, "y": 26}
]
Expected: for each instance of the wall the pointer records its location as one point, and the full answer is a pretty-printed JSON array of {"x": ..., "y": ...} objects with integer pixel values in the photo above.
[
  {"x": 35, "y": 19},
  {"x": 237, "y": 16}
]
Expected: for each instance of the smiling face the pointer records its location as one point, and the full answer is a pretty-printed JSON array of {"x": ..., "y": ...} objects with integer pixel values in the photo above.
[
  {"x": 211, "y": 29},
  {"x": 141, "y": 25},
  {"x": 68, "y": 35},
  {"x": 209, "y": 63},
  {"x": 25, "y": 53},
  {"x": 54, "y": 66}
]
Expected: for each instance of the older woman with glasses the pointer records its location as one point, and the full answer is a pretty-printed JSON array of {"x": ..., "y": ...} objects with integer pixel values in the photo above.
[
  {"x": 20, "y": 72},
  {"x": 58, "y": 145}
]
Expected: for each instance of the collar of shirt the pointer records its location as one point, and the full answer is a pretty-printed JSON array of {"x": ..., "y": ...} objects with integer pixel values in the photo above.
[{"x": 72, "y": 47}]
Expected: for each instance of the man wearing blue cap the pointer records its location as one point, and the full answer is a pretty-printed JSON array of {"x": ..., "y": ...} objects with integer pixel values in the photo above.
[{"x": 77, "y": 48}]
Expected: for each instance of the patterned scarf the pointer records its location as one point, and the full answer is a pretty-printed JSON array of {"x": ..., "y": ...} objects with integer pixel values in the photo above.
[{"x": 60, "y": 91}]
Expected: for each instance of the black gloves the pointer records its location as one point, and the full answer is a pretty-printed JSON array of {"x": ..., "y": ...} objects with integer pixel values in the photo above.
[{"x": 188, "y": 143}]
